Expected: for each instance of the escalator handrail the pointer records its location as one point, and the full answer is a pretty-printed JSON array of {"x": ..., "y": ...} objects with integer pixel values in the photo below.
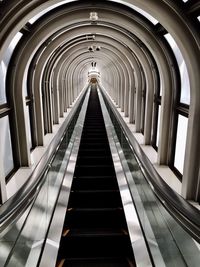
[
  {"x": 185, "y": 213},
  {"x": 15, "y": 205}
]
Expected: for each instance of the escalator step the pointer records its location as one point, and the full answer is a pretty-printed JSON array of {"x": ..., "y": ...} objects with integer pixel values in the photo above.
[
  {"x": 95, "y": 218},
  {"x": 93, "y": 130},
  {"x": 92, "y": 125},
  {"x": 94, "y": 135},
  {"x": 94, "y": 152},
  {"x": 95, "y": 231},
  {"x": 91, "y": 183},
  {"x": 98, "y": 140},
  {"x": 93, "y": 145},
  {"x": 98, "y": 199},
  {"x": 95, "y": 246},
  {"x": 96, "y": 176},
  {"x": 94, "y": 160},
  {"x": 90, "y": 170},
  {"x": 97, "y": 262}
]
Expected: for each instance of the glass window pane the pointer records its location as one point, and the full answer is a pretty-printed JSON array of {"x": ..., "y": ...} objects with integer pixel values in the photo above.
[
  {"x": 29, "y": 126},
  {"x": 3, "y": 98},
  {"x": 161, "y": 88},
  {"x": 198, "y": 18},
  {"x": 185, "y": 84},
  {"x": 180, "y": 143},
  {"x": 158, "y": 126},
  {"x": 6, "y": 148},
  {"x": 4, "y": 65}
]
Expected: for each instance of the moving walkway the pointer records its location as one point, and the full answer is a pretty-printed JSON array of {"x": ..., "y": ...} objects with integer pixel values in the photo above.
[{"x": 94, "y": 200}]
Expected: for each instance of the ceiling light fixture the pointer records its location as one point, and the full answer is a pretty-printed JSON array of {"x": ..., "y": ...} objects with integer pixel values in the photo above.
[{"x": 93, "y": 16}]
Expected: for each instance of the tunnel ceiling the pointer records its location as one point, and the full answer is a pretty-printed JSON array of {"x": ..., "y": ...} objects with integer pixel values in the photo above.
[
  {"x": 125, "y": 39},
  {"x": 119, "y": 35},
  {"x": 56, "y": 43},
  {"x": 61, "y": 39},
  {"x": 71, "y": 28}
]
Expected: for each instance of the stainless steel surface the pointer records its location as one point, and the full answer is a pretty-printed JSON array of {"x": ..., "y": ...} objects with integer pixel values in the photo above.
[
  {"x": 51, "y": 247},
  {"x": 140, "y": 250},
  {"x": 15, "y": 206},
  {"x": 187, "y": 215},
  {"x": 175, "y": 245},
  {"x": 26, "y": 238}
]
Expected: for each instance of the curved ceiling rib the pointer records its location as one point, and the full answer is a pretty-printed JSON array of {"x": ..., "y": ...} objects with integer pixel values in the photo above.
[
  {"x": 67, "y": 19},
  {"x": 121, "y": 33},
  {"x": 60, "y": 41}
]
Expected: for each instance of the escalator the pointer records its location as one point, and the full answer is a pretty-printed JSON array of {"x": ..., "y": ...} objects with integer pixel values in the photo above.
[
  {"x": 95, "y": 157},
  {"x": 95, "y": 231}
]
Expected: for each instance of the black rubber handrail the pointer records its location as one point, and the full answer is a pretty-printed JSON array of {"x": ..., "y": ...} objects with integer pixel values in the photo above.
[
  {"x": 185, "y": 213},
  {"x": 16, "y": 205}
]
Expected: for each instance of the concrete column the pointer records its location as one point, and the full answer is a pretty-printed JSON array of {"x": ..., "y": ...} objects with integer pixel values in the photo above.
[
  {"x": 123, "y": 85},
  {"x": 2, "y": 181},
  {"x": 55, "y": 96},
  {"x": 149, "y": 105},
  {"x": 131, "y": 104},
  {"x": 191, "y": 172},
  {"x": 138, "y": 101},
  {"x": 126, "y": 97}
]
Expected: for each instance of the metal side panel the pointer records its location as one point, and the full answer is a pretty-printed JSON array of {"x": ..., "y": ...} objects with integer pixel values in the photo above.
[
  {"x": 50, "y": 251},
  {"x": 162, "y": 232},
  {"x": 140, "y": 249},
  {"x": 186, "y": 214},
  {"x": 17, "y": 204},
  {"x": 36, "y": 236}
]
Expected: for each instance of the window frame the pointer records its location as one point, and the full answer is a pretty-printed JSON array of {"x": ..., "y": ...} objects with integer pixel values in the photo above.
[
  {"x": 6, "y": 111},
  {"x": 180, "y": 109}
]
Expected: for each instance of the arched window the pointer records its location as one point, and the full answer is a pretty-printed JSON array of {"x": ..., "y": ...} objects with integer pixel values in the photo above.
[
  {"x": 181, "y": 111},
  {"x": 6, "y": 139}
]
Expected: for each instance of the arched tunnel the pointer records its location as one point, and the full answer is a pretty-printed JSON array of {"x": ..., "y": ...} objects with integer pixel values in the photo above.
[{"x": 87, "y": 84}]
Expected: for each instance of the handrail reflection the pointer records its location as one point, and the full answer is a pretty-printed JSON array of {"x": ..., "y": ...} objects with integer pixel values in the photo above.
[
  {"x": 16, "y": 205},
  {"x": 186, "y": 214}
]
